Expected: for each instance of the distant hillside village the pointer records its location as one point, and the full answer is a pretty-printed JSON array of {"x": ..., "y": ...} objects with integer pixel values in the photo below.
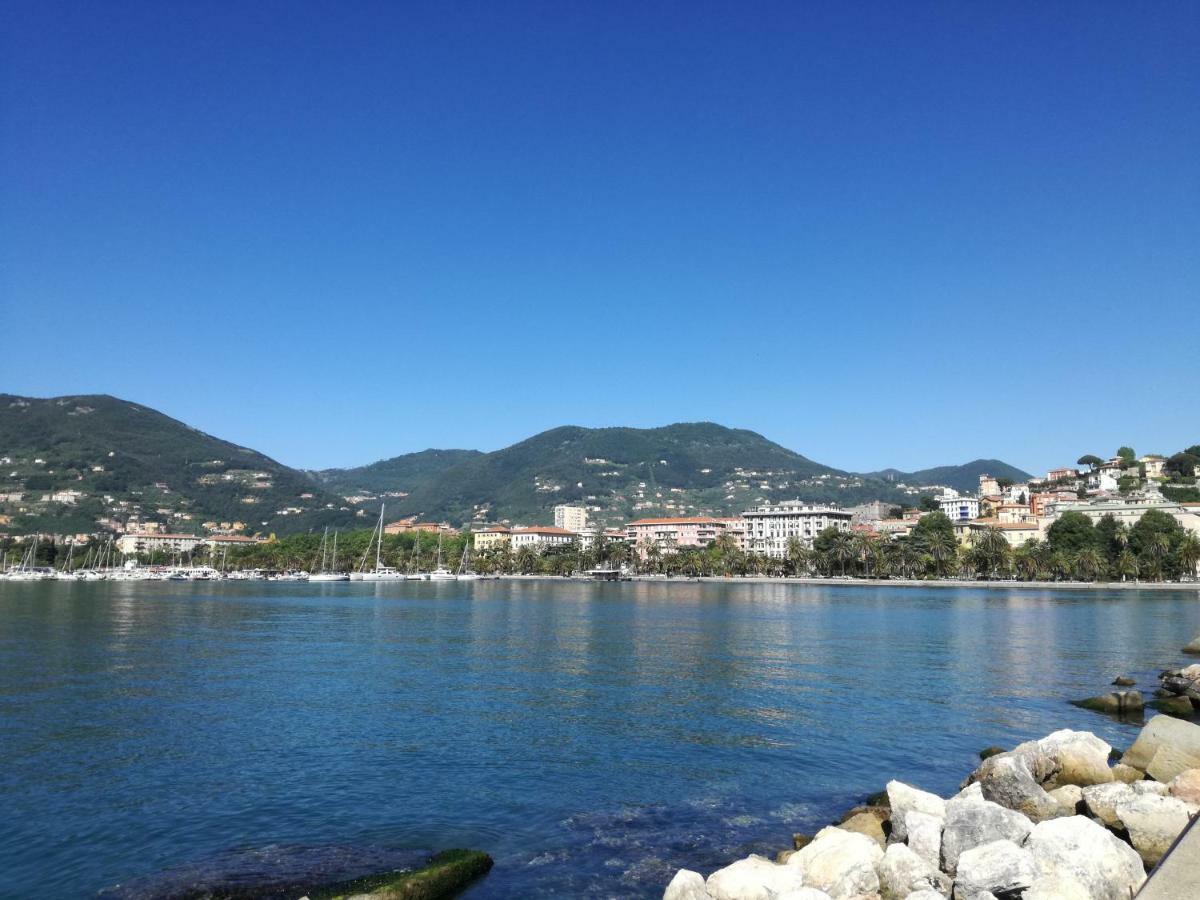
[{"x": 1126, "y": 517}]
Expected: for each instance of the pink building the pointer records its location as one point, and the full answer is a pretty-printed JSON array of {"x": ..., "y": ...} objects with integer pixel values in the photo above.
[{"x": 696, "y": 531}]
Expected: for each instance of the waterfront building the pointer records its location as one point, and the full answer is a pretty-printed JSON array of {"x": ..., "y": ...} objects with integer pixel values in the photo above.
[
  {"x": 404, "y": 526},
  {"x": 1061, "y": 474},
  {"x": 671, "y": 533},
  {"x": 770, "y": 527},
  {"x": 875, "y": 511},
  {"x": 572, "y": 518},
  {"x": 154, "y": 542},
  {"x": 1130, "y": 509},
  {"x": 1013, "y": 512},
  {"x": 988, "y": 485},
  {"x": 491, "y": 537},
  {"x": 540, "y": 537}
]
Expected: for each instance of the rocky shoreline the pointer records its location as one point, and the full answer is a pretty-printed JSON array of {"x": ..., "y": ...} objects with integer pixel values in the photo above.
[{"x": 1064, "y": 817}]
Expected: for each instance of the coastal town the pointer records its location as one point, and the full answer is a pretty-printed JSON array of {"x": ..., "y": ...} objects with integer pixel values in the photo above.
[{"x": 1102, "y": 520}]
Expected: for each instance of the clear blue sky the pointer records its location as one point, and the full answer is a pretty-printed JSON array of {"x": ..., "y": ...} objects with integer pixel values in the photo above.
[{"x": 881, "y": 234}]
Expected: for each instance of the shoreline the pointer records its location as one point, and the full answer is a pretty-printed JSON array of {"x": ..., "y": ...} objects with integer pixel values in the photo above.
[
  {"x": 1062, "y": 816},
  {"x": 877, "y": 582}
]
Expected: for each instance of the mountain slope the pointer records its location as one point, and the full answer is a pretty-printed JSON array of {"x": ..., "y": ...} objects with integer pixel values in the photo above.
[
  {"x": 400, "y": 473},
  {"x": 963, "y": 478},
  {"x": 688, "y": 468},
  {"x": 145, "y": 462}
]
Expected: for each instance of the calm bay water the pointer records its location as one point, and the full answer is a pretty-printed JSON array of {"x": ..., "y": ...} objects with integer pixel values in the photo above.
[{"x": 593, "y": 738}]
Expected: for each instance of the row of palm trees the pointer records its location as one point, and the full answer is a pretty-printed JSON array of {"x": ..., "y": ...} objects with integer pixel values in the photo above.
[{"x": 836, "y": 553}]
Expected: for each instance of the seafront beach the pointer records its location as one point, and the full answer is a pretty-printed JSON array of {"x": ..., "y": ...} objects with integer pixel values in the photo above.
[{"x": 593, "y": 738}]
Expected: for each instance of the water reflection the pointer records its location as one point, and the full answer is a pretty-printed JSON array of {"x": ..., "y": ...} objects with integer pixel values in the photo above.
[{"x": 593, "y": 737}]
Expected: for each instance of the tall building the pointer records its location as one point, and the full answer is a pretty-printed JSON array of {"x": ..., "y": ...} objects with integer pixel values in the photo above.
[
  {"x": 572, "y": 518},
  {"x": 769, "y": 528},
  {"x": 671, "y": 533}
]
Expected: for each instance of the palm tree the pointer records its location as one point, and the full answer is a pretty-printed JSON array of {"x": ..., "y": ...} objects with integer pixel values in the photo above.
[
  {"x": 941, "y": 547},
  {"x": 863, "y": 545},
  {"x": 1158, "y": 550},
  {"x": 1089, "y": 564},
  {"x": 1188, "y": 553},
  {"x": 842, "y": 549},
  {"x": 1127, "y": 565}
]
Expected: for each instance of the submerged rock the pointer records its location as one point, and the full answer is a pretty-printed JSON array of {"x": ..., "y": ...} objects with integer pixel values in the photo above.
[
  {"x": 447, "y": 874},
  {"x": 1117, "y": 703},
  {"x": 903, "y": 798},
  {"x": 1180, "y": 707},
  {"x": 1193, "y": 646},
  {"x": 1076, "y": 849},
  {"x": 1124, "y": 681},
  {"x": 1165, "y": 747}
]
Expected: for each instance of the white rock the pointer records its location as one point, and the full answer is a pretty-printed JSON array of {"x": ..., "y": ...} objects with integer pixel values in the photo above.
[
  {"x": 903, "y": 799},
  {"x": 1067, "y": 757},
  {"x": 1186, "y": 786},
  {"x": 841, "y": 863},
  {"x": 924, "y": 836},
  {"x": 1155, "y": 788},
  {"x": 1009, "y": 781},
  {"x": 999, "y": 867},
  {"x": 1165, "y": 747},
  {"x": 972, "y": 821},
  {"x": 805, "y": 893},
  {"x": 1153, "y": 823},
  {"x": 926, "y": 895},
  {"x": 1057, "y": 888},
  {"x": 902, "y": 873},
  {"x": 1074, "y": 848},
  {"x": 1068, "y": 797},
  {"x": 754, "y": 878},
  {"x": 1102, "y": 799},
  {"x": 686, "y": 885}
]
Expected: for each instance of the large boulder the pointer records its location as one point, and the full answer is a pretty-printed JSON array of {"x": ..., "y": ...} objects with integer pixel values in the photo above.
[
  {"x": 972, "y": 821},
  {"x": 1153, "y": 823},
  {"x": 868, "y": 824},
  {"x": 1193, "y": 646},
  {"x": 687, "y": 885},
  {"x": 1165, "y": 747},
  {"x": 904, "y": 798},
  {"x": 753, "y": 878},
  {"x": 1057, "y": 888},
  {"x": 1076, "y": 849},
  {"x": 839, "y": 862},
  {"x": 1069, "y": 796},
  {"x": 902, "y": 873},
  {"x": 804, "y": 893},
  {"x": 1101, "y": 801},
  {"x": 1127, "y": 774},
  {"x": 1000, "y": 867},
  {"x": 1186, "y": 786},
  {"x": 925, "y": 836},
  {"x": 1007, "y": 780},
  {"x": 1021, "y": 778}
]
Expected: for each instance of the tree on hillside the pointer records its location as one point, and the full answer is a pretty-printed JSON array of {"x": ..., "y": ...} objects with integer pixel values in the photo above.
[
  {"x": 1089, "y": 460},
  {"x": 1126, "y": 454},
  {"x": 1183, "y": 464},
  {"x": 1155, "y": 540}
]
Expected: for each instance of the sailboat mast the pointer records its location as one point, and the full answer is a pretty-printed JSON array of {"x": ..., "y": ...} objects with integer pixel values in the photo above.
[{"x": 379, "y": 545}]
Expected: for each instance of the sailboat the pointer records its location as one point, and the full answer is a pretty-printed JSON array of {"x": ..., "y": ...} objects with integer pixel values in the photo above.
[
  {"x": 328, "y": 570},
  {"x": 414, "y": 563},
  {"x": 464, "y": 572},
  {"x": 441, "y": 573},
  {"x": 380, "y": 572}
]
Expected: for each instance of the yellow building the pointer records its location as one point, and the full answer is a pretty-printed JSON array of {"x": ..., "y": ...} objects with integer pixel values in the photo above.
[{"x": 491, "y": 538}]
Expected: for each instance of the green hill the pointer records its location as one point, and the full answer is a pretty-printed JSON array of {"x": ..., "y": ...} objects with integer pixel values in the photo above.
[
  {"x": 962, "y": 478},
  {"x": 398, "y": 474},
  {"x": 688, "y": 468},
  {"x": 127, "y": 461}
]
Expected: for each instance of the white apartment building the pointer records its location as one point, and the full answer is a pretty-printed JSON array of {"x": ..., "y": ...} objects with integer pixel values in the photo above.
[
  {"x": 539, "y": 537},
  {"x": 572, "y": 518},
  {"x": 958, "y": 508},
  {"x": 769, "y": 528}
]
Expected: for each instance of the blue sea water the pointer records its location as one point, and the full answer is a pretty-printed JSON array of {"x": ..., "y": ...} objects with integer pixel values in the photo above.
[{"x": 156, "y": 737}]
